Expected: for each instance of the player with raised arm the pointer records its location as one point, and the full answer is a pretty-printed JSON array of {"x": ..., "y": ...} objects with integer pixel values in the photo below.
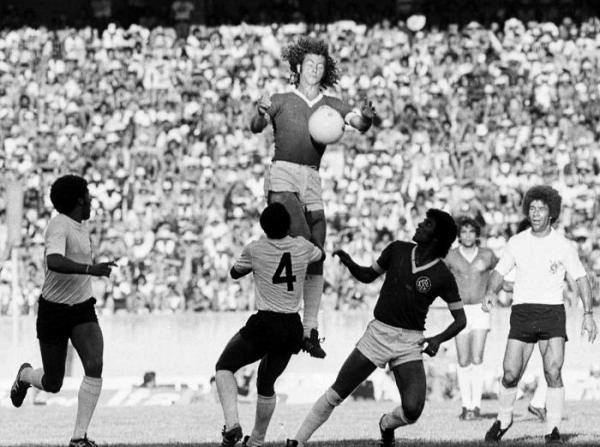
[
  {"x": 293, "y": 177},
  {"x": 66, "y": 306},
  {"x": 541, "y": 258},
  {"x": 471, "y": 265},
  {"x": 278, "y": 263},
  {"x": 414, "y": 276}
]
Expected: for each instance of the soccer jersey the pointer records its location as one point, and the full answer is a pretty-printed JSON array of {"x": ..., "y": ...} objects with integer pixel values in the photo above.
[
  {"x": 289, "y": 114},
  {"x": 67, "y": 237},
  {"x": 408, "y": 290},
  {"x": 471, "y": 275},
  {"x": 279, "y": 267},
  {"x": 540, "y": 265}
]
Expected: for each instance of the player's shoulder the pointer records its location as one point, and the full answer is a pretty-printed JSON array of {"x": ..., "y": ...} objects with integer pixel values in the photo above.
[
  {"x": 519, "y": 237},
  {"x": 58, "y": 221}
]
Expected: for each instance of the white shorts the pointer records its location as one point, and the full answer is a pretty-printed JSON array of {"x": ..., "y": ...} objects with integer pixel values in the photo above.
[
  {"x": 284, "y": 176},
  {"x": 383, "y": 344},
  {"x": 477, "y": 319}
]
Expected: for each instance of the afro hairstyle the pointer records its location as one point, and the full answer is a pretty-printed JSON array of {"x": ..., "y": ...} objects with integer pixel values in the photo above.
[
  {"x": 546, "y": 194},
  {"x": 294, "y": 54},
  {"x": 445, "y": 230},
  {"x": 66, "y": 191},
  {"x": 275, "y": 221}
]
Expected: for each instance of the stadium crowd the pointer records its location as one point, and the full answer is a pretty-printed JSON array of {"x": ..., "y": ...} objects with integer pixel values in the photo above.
[{"x": 159, "y": 124}]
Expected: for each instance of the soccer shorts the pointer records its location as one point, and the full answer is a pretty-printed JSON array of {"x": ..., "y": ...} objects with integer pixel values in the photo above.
[
  {"x": 530, "y": 323},
  {"x": 477, "y": 319},
  {"x": 284, "y": 176},
  {"x": 274, "y": 331},
  {"x": 383, "y": 344},
  {"x": 55, "y": 321}
]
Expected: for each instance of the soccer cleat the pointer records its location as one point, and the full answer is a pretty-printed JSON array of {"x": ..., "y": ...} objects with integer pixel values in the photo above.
[
  {"x": 463, "y": 414},
  {"x": 19, "y": 388},
  {"x": 312, "y": 345},
  {"x": 470, "y": 415},
  {"x": 387, "y": 435},
  {"x": 83, "y": 442},
  {"x": 495, "y": 433},
  {"x": 291, "y": 443},
  {"x": 538, "y": 412},
  {"x": 245, "y": 441},
  {"x": 554, "y": 437},
  {"x": 231, "y": 437}
]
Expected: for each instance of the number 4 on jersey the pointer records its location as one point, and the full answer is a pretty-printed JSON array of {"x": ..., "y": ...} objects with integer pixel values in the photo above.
[{"x": 289, "y": 278}]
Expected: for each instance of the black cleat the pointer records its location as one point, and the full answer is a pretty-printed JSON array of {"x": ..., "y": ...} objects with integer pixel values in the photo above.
[
  {"x": 231, "y": 437},
  {"x": 495, "y": 433},
  {"x": 291, "y": 443},
  {"x": 554, "y": 437},
  {"x": 538, "y": 412},
  {"x": 245, "y": 441},
  {"x": 83, "y": 442},
  {"x": 387, "y": 435},
  {"x": 19, "y": 388},
  {"x": 312, "y": 345},
  {"x": 463, "y": 414}
]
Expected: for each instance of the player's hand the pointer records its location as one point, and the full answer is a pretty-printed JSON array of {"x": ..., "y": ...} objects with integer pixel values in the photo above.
[
  {"x": 263, "y": 105},
  {"x": 102, "y": 268},
  {"x": 367, "y": 110},
  {"x": 589, "y": 325},
  {"x": 432, "y": 346},
  {"x": 487, "y": 303},
  {"x": 344, "y": 257}
]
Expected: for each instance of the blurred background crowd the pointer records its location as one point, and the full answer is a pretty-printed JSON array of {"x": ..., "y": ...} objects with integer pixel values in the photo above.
[{"x": 156, "y": 117}]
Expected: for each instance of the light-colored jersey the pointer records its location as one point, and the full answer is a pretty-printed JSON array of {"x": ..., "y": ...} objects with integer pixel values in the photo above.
[
  {"x": 67, "y": 237},
  {"x": 279, "y": 267},
  {"x": 540, "y": 266},
  {"x": 471, "y": 274}
]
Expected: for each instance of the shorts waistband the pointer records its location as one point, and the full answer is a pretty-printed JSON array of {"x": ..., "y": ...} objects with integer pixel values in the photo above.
[
  {"x": 313, "y": 167},
  {"x": 396, "y": 328},
  {"x": 65, "y": 305}
]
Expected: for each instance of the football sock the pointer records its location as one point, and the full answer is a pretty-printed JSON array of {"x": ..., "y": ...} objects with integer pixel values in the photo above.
[
  {"x": 555, "y": 400},
  {"x": 506, "y": 399},
  {"x": 313, "y": 289},
  {"x": 89, "y": 392},
  {"x": 463, "y": 374},
  {"x": 539, "y": 395},
  {"x": 227, "y": 390},
  {"x": 265, "y": 406},
  {"x": 394, "y": 419},
  {"x": 318, "y": 414},
  {"x": 33, "y": 377},
  {"x": 477, "y": 373}
]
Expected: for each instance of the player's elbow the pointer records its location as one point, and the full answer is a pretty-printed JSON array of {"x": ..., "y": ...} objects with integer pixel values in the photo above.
[
  {"x": 234, "y": 273},
  {"x": 53, "y": 262},
  {"x": 461, "y": 321}
]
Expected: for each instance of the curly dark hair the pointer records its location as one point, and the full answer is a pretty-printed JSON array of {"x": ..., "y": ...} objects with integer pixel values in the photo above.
[
  {"x": 445, "y": 230},
  {"x": 466, "y": 221},
  {"x": 546, "y": 194},
  {"x": 294, "y": 55},
  {"x": 275, "y": 221},
  {"x": 65, "y": 192}
]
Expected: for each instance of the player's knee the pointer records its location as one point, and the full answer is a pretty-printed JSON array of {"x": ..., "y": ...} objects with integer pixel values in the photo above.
[
  {"x": 510, "y": 379},
  {"x": 265, "y": 387},
  {"x": 412, "y": 411},
  {"x": 52, "y": 384},
  {"x": 93, "y": 366},
  {"x": 334, "y": 397},
  {"x": 463, "y": 361},
  {"x": 477, "y": 360},
  {"x": 553, "y": 377}
]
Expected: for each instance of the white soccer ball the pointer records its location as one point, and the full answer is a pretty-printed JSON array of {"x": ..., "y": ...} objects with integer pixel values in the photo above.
[{"x": 326, "y": 125}]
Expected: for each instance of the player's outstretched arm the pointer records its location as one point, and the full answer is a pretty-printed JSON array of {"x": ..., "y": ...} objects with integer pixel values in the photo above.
[
  {"x": 363, "y": 121},
  {"x": 585, "y": 292},
  {"x": 61, "y": 264},
  {"x": 459, "y": 323},
  {"x": 363, "y": 274},
  {"x": 260, "y": 118}
]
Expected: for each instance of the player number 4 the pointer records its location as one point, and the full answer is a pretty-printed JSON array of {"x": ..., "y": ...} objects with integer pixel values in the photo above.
[{"x": 289, "y": 278}]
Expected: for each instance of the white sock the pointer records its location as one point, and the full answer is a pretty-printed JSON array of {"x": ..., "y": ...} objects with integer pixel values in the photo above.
[
  {"x": 313, "y": 289},
  {"x": 227, "y": 390},
  {"x": 464, "y": 384},
  {"x": 265, "y": 406},
  {"x": 539, "y": 395},
  {"x": 394, "y": 419},
  {"x": 89, "y": 392},
  {"x": 318, "y": 414},
  {"x": 555, "y": 401},
  {"x": 477, "y": 373},
  {"x": 506, "y": 399},
  {"x": 32, "y": 377}
]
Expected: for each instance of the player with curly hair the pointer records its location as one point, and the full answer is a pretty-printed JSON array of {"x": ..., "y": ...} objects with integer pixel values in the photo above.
[
  {"x": 293, "y": 177},
  {"x": 542, "y": 258}
]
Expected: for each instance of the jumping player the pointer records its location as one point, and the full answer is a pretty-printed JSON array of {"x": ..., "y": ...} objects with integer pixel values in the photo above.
[
  {"x": 293, "y": 177},
  {"x": 541, "y": 258},
  {"x": 66, "y": 306},
  {"x": 415, "y": 276},
  {"x": 275, "y": 332},
  {"x": 471, "y": 265}
]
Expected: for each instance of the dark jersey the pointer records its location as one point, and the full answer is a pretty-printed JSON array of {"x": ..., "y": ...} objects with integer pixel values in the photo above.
[
  {"x": 289, "y": 114},
  {"x": 408, "y": 290}
]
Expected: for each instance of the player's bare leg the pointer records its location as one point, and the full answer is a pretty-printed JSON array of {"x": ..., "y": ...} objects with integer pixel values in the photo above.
[
  {"x": 463, "y": 371},
  {"x": 478, "y": 339},
  {"x": 553, "y": 356}
]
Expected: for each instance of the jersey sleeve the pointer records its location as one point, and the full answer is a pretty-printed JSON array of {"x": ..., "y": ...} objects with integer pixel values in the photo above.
[
  {"x": 276, "y": 103},
  {"x": 383, "y": 262},
  {"x": 243, "y": 264},
  {"x": 343, "y": 108},
  {"x": 314, "y": 253},
  {"x": 450, "y": 293},
  {"x": 573, "y": 264},
  {"x": 507, "y": 260},
  {"x": 56, "y": 239}
]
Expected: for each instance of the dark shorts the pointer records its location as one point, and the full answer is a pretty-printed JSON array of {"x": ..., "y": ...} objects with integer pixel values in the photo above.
[
  {"x": 530, "y": 323},
  {"x": 274, "y": 331},
  {"x": 56, "y": 321}
]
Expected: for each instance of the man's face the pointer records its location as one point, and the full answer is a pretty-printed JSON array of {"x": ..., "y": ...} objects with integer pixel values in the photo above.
[
  {"x": 87, "y": 206},
  {"x": 468, "y": 236},
  {"x": 425, "y": 231},
  {"x": 539, "y": 216},
  {"x": 312, "y": 69}
]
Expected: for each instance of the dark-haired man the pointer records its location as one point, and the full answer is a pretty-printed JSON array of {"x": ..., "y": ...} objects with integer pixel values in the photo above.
[
  {"x": 414, "y": 276},
  {"x": 278, "y": 263},
  {"x": 66, "y": 306},
  {"x": 293, "y": 177}
]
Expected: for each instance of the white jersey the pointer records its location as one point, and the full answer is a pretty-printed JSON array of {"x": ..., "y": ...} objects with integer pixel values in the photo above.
[
  {"x": 540, "y": 265},
  {"x": 67, "y": 237},
  {"x": 279, "y": 267}
]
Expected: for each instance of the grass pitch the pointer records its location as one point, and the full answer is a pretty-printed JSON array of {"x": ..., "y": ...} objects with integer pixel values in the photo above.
[{"x": 354, "y": 424}]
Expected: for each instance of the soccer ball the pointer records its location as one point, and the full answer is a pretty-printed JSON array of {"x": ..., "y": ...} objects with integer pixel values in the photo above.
[{"x": 326, "y": 125}]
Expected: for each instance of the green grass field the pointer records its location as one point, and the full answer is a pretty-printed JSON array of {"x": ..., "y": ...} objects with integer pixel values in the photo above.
[{"x": 353, "y": 424}]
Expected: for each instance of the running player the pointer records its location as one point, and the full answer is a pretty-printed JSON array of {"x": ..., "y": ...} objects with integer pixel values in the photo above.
[
  {"x": 471, "y": 265},
  {"x": 415, "y": 276},
  {"x": 275, "y": 332},
  {"x": 293, "y": 177},
  {"x": 66, "y": 306},
  {"x": 541, "y": 258}
]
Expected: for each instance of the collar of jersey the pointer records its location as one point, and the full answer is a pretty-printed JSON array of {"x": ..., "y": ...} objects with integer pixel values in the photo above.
[
  {"x": 416, "y": 269},
  {"x": 462, "y": 253},
  {"x": 305, "y": 99}
]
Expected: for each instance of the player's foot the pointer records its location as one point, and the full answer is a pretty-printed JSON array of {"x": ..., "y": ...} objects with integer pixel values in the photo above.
[
  {"x": 232, "y": 436},
  {"x": 83, "y": 442},
  {"x": 312, "y": 345},
  {"x": 291, "y": 443},
  {"x": 19, "y": 388},
  {"x": 477, "y": 413},
  {"x": 463, "y": 414},
  {"x": 495, "y": 433},
  {"x": 554, "y": 437},
  {"x": 470, "y": 416},
  {"x": 245, "y": 441},
  {"x": 538, "y": 412},
  {"x": 387, "y": 435}
]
